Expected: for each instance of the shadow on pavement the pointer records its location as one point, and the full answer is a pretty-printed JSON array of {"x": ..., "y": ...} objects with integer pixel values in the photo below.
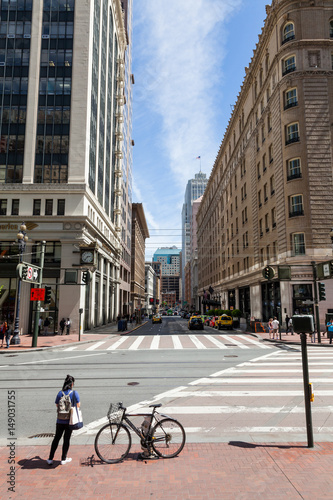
[
  {"x": 242, "y": 444},
  {"x": 36, "y": 463}
]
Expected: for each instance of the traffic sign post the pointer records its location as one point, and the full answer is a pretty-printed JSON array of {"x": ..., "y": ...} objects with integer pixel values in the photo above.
[
  {"x": 37, "y": 294},
  {"x": 35, "y": 335},
  {"x": 28, "y": 272}
]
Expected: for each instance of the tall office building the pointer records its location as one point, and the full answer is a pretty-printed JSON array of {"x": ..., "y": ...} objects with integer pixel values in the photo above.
[
  {"x": 194, "y": 189},
  {"x": 268, "y": 201},
  {"x": 170, "y": 259},
  {"x": 62, "y": 160}
]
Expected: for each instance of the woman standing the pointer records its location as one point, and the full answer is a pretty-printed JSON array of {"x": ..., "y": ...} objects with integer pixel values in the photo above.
[
  {"x": 62, "y": 426},
  {"x": 270, "y": 327}
]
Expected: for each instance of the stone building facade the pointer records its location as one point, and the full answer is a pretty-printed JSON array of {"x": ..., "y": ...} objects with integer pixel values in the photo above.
[{"x": 268, "y": 201}]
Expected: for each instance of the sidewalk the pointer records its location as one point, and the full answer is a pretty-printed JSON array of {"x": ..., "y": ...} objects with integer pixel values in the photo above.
[
  {"x": 287, "y": 338},
  {"x": 56, "y": 340},
  {"x": 214, "y": 471}
]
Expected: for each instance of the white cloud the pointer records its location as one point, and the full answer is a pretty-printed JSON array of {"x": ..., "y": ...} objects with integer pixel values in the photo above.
[{"x": 182, "y": 47}]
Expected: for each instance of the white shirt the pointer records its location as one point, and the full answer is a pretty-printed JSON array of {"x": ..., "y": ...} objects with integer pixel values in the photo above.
[{"x": 275, "y": 323}]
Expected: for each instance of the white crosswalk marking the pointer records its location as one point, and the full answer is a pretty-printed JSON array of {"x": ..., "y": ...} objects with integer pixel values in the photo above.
[
  {"x": 176, "y": 342},
  {"x": 197, "y": 342},
  {"x": 234, "y": 341},
  {"x": 159, "y": 342}
]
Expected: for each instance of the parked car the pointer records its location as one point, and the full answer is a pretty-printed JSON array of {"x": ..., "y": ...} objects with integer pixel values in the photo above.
[
  {"x": 224, "y": 322},
  {"x": 213, "y": 321},
  {"x": 157, "y": 319},
  {"x": 195, "y": 323}
]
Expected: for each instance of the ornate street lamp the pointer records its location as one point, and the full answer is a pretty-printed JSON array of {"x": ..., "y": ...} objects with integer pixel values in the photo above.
[{"x": 22, "y": 239}]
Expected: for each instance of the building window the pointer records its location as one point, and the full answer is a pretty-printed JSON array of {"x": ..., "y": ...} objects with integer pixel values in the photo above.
[
  {"x": 265, "y": 192},
  {"x": 270, "y": 153},
  {"x": 36, "y": 207},
  {"x": 258, "y": 171},
  {"x": 331, "y": 28},
  {"x": 259, "y": 199},
  {"x": 272, "y": 184},
  {"x": 15, "y": 207},
  {"x": 298, "y": 244},
  {"x": 288, "y": 32},
  {"x": 288, "y": 65},
  {"x": 264, "y": 167},
  {"x": 296, "y": 205},
  {"x": 61, "y": 207},
  {"x": 273, "y": 216},
  {"x": 3, "y": 207},
  {"x": 294, "y": 169},
  {"x": 290, "y": 98},
  {"x": 292, "y": 133},
  {"x": 48, "y": 207},
  {"x": 261, "y": 233}
]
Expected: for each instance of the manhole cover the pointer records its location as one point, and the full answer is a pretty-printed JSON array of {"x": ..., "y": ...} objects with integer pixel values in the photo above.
[
  {"x": 43, "y": 435},
  {"x": 133, "y": 383}
]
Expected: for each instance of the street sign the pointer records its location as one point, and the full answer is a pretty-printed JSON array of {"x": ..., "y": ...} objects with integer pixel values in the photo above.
[
  {"x": 29, "y": 273},
  {"x": 37, "y": 294}
]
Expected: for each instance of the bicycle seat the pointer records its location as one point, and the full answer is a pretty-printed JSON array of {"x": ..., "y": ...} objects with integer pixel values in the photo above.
[{"x": 155, "y": 406}]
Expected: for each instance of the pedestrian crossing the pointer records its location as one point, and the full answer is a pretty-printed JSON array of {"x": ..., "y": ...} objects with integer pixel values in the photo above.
[
  {"x": 258, "y": 400},
  {"x": 175, "y": 342}
]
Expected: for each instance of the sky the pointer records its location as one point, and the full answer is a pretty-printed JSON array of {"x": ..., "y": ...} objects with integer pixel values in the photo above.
[{"x": 189, "y": 60}]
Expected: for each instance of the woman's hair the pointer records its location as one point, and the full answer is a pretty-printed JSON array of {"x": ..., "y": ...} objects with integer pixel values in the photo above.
[{"x": 69, "y": 380}]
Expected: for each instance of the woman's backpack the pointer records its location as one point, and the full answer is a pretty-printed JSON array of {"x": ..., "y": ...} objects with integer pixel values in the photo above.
[{"x": 64, "y": 406}]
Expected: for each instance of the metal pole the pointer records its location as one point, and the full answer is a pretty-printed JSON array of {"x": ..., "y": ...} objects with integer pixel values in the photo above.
[
  {"x": 37, "y": 313},
  {"x": 316, "y": 305},
  {"x": 80, "y": 319},
  {"x": 308, "y": 415},
  {"x": 22, "y": 239}
]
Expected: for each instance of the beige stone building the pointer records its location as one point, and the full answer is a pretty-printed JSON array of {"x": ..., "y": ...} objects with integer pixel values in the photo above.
[
  {"x": 139, "y": 234},
  {"x": 269, "y": 199}
]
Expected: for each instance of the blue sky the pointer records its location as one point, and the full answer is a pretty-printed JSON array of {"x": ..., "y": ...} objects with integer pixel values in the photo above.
[{"x": 189, "y": 61}]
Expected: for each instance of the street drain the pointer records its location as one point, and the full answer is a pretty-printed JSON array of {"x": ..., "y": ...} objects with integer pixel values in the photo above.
[
  {"x": 133, "y": 383},
  {"x": 43, "y": 435},
  {"x": 231, "y": 356}
]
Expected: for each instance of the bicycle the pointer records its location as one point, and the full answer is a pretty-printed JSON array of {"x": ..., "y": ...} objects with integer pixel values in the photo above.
[{"x": 158, "y": 432}]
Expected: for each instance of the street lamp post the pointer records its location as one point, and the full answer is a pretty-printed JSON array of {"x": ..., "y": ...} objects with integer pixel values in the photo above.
[{"x": 22, "y": 239}]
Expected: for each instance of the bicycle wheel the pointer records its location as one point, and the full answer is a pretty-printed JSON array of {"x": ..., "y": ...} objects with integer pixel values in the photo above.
[
  {"x": 168, "y": 438},
  {"x": 113, "y": 443}
]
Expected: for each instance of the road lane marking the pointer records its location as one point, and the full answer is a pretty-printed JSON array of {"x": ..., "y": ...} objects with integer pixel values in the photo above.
[
  {"x": 176, "y": 342},
  {"x": 56, "y": 359},
  {"x": 117, "y": 344},
  {"x": 247, "y": 393},
  {"x": 136, "y": 344},
  {"x": 196, "y": 342},
  {"x": 93, "y": 347},
  {"x": 155, "y": 343},
  {"x": 234, "y": 341},
  {"x": 252, "y": 341},
  {"x": 263, "y": 380},
  {"x": 213, "y": 340},
  {"x": 202, "y": 410}
]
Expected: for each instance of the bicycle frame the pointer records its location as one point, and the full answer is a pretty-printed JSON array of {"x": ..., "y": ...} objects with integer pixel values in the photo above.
[{"x": 153, "y": 416}]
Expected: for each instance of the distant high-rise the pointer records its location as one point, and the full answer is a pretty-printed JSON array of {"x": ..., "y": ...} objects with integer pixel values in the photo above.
[
  {"x": 170, "y": 259},
  {"x": 194, "y": 189}
]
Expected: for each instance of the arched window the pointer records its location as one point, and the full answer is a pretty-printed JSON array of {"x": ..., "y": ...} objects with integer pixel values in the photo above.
[
  {"x": 288, "y": 65},
  {"x": 288, "y": 32}
]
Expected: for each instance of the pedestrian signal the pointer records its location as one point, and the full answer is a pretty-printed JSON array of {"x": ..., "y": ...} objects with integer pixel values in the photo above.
[
  {"x": 47, "y": 299},
  {"x": 322, "y": 291},
  {"x": 24, "y": 272}
]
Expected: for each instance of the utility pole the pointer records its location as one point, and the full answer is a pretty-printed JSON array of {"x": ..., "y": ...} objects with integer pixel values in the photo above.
[
  {"x": 37, "y": 313},
  {"x": 316, "y": 305}
]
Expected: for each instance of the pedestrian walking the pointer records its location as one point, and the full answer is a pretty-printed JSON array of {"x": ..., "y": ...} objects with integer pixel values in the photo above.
[
  {"x": 330, "y": 330},
  {"x": 46, "y": 326},
  {"x": 275, "y": 325},
  {"x": 62, "y": 325},
  {"x": 270, "y": 327},
  {"x": 68, "y": 326},
  {"x": 63, "y": 416},
  {"x": 40, "y": 324},
  {"x": 290, "y": 326},
  {"x": 8, "y": 334},
  {"x": 2, "y": 333},
  {"x": 287, "y": 323}
]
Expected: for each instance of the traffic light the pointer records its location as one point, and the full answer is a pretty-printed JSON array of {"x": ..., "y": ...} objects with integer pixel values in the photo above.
[
  {"x": 322, "y": 291},
  {"x": 47, "y": 299},
  {"x": 86, "y": 277},
  {"x": 268, "y": 273},
  {"x": 24, "y": 272}
]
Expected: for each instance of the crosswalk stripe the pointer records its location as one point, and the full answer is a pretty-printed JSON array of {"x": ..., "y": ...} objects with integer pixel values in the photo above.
[
  {"x": 197, "y": 342},
  {"x": 234, "y": 341},
  {"x": 246, "y": 393},
  {"x": 252, "y": 341},
  {"x": 95, "y": 346},
  {"x": 201, "y": 410},
  {"x": 72, "y": 348},
  {"x": 213, "y": 340},
  {"x": 155, "y": 343},
  {"x": 117, "y": 344},
  {"x": 264, "y": 381},
  {"x": 136, "y": 343},
  {"x": 176, "y": 342}
]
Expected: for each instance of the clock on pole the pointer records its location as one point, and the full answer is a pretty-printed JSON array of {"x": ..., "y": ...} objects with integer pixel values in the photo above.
[{"x": 87, "y": 256}]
